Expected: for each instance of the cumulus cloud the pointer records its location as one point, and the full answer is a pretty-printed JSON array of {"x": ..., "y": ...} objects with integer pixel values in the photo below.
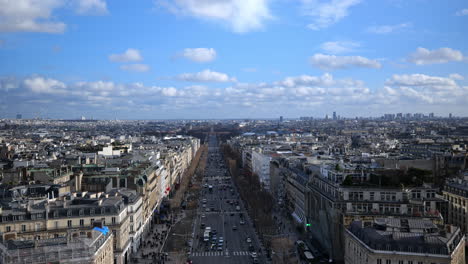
[
  {"x": 205, "y": 76},
  {"x": 463, "y": 12},
  {"x": 333, "y": 62},
  {"x": 199, "y": 54},
  {"x": 44, "y": 85},
  {"x": 8, "y": 83},
  {"x": 91, "y": 7},
  {"x": 422, "y": 80},
  {"x": 137, "y": 67},
  {"x": 425, "y": 89},
  {"x": 456, "y": 76},
  {"x": 30, "y": 16},
  {"x": 386, "y": 29},
  {"x": 424, "y": 56},
  {"x": 335, "y": 47},
  {"x": 239, "y": 15},
  {"x": 128, "y": 56},
  {"x": 326, "y": 13}
]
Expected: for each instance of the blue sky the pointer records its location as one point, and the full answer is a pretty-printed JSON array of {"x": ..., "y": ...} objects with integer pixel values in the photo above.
[{"x": 232, "y": 58}]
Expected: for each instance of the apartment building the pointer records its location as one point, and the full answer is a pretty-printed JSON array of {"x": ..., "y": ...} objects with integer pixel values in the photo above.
[
  {"x": 92, "y": 247},
  {"x": 403, "y": 241},
  {"x": 54, "y": 218},
  {"x": 456, "y": 193}
]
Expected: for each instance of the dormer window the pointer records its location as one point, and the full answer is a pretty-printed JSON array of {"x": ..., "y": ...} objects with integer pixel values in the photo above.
[
  {"x": 56, "y": 214},
  {"x": 69, "y": 213},
  {"x": 81, "y": 212},
  {"x": 91, "y": 211}
]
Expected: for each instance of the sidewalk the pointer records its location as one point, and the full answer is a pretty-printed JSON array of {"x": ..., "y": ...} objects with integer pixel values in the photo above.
[{"x": 151, "y": 247}]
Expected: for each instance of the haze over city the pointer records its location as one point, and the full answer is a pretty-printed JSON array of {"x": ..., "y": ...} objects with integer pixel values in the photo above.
[{"x": 232, "y": 59}]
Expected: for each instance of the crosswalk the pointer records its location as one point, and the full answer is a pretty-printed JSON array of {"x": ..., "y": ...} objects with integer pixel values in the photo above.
[{"x": 219, "y": 253}]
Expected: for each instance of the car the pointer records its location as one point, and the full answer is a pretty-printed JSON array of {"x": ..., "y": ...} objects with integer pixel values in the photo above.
[
  {"x": 221, "y": 239},
  {"x": 204, "y": 201},
  {"x": 234, "y": 227},
  {"x": 204, "y": 205},
  {"x": 255, "y": 260},
  {"x": 249, "y": 240},
  {"x": 203, "y": 215},
  {"x": 214, "y": 231},
  {"x": 220, "y": 248},
  {"x": 242, "y": 222},
  {"x": 253, "y": 255},
  {"x": 207, "y": 210}
]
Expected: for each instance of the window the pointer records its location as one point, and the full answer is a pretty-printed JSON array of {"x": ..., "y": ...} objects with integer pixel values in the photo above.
[
  {"x": 69, "y": 223},
  {"x": 131, "y": 228},
  {"x": 69, "y": 213},
  {"x": 113, "y": 220},
  {"x": 81, "y": 212},
  {"x": 131, "y": 218},
  {"x": 56, "y": 224},
  {"x": 410, "y": 262},
  {"x": 81, "y": 222},
  {"x": 379, "y": 261},
  {"x": 8, "y": 228},
  {"x": 23, "y": 228},
  {"x": 400, "y": 262},
  {"x": 388, "y": 261},
  {"x": 92, "y": 221},
  {"x": 92, "y": 211}
]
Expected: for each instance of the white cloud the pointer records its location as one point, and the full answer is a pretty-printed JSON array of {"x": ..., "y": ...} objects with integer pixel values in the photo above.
[
  {"x": 332, "y": 62},
  {"x": 200, "y": 54},
  {"x": 45, "y": 85},
  {"x": 249, "y": 69},
  {"x": 170, "y": 91},
  {"x": 463, "y": 12},
  {"x": 326, "y": 13},
  {"x": 424, "y": 56},
  {"x": 422, "y": 80},
  {"x": 8, "y": 83},
  {"x": 128, "y": 56},
  {"x": 239, "y": 15},
  {"x": 335, "y": 47},
  {"x": 456, "y": 76},
  {"x": 91, "y": 7},
  {"x": 386, "y": 29},
  {"x": 135, "y": 67},
  {"x": 205, "y": 76},
  {"x": 30, "y": 16}
]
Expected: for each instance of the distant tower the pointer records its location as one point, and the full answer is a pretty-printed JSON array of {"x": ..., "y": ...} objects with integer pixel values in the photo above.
[
  {"x": 450, "y": 115},
  {"x": 281, "y": 118},
  {"x": 334, "y": 115},
  {"x": 19, "y": 116},
  {"x": 326, "y": 117}
]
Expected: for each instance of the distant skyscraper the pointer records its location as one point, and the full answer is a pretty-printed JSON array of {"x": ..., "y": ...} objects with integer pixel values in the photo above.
[
  {"x": 450, "y": 115},
  {"x": 334, "y": 115},
  {"x": 431, "y": 115},
  {"x": 19, "y": 116},
  {"x": 326, "y": 117},
  {"x": 281, "y": 118}
]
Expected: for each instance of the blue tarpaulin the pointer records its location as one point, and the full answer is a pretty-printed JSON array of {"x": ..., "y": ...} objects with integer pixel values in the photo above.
[{"x": 103, "y": 230}]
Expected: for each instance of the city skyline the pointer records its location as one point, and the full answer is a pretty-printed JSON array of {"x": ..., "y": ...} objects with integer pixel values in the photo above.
[{"x": 188, "y": 59}]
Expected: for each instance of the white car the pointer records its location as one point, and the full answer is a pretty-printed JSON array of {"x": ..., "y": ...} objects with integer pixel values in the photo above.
[
  {"x": 254, "y": 254},
  {"x": 203, "y": 215},
  {"x": 249, "y": 240}
]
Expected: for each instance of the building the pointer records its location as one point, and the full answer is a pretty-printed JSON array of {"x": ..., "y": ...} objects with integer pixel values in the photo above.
[
  {"x": 39, "y": 218},
  {"x": 334, "y": 115},
  {"x": 261, "y": 167},
  {"x": 403, "y": 241},
  {"x": 456, "y": 193},
  {"x": 94, "y": 246}
]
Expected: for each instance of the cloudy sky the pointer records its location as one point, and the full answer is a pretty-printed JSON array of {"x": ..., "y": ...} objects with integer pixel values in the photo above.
[{"x": 154, "y": 59}]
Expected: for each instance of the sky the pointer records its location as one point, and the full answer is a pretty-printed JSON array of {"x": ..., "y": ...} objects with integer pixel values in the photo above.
[{"x": 198, "y": 59}]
